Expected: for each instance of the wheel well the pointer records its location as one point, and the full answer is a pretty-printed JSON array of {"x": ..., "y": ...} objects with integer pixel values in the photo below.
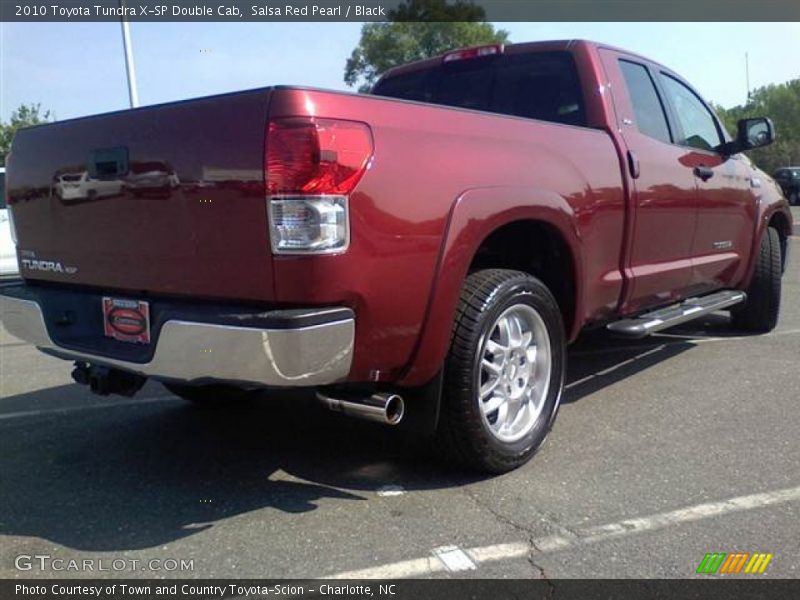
[
  {"x": 781, "y": 224},
  {"x": 536, "y": 248}
]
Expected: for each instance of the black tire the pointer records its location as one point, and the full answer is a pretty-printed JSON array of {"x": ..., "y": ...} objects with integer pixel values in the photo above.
[
  {"x": 794, "y": 197},
  {"x": 463, "y": 434},
  {"x": 759, "y": 314},
  {"x": 214, "y": 395}
]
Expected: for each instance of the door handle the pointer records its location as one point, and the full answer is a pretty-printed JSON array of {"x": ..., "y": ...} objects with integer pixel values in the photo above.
[
  {"x": 703, "y": 172},
  {"x": 633, "y": 165}
]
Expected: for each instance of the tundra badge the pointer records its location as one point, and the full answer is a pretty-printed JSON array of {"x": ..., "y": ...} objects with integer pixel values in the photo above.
[{"x": 53, "y": 266}]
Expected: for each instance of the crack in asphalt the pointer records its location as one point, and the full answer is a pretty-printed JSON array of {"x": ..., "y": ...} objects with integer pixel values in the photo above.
[{"x": 526, "y": 531}]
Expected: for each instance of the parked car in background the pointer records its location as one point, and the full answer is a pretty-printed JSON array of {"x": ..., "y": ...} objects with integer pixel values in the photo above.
[
  {"x": 151, "y": 178},
  {"x": 789, "y": 180},
  {"x": 8, "y": 251},
  {"x": 80, "y": 186}
]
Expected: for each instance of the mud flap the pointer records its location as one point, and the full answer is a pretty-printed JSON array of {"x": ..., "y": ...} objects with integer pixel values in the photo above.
[{"x": 422, "y": 406}]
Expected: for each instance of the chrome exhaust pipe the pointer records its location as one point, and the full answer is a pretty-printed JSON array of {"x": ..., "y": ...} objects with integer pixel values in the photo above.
[{"x": 381, "y": 408}]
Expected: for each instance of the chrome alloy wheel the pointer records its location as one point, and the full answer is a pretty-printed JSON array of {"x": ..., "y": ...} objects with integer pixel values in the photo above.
[{"x": 514, "y": 372}]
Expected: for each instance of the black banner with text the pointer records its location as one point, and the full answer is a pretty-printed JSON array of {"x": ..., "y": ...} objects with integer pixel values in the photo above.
[
  {"x": 382, "y": 10},
  {"x": 462, "y": 589}
]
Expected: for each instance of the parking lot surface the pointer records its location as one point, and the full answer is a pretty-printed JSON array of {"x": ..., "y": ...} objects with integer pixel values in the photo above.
[{"x": 665, "y": 449}]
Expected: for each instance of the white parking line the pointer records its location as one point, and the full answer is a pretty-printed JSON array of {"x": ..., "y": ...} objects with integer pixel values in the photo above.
[
  {"x": 680, "y": 339},
  {"x": 617, "y": 366},
  {"x": 705, "y": 340},
  {"x": 60, "y": 411},
  {"x": 454, "y": 559},
  {"x": 483, "y": 554},
  {"x": 391, "y": 490}
]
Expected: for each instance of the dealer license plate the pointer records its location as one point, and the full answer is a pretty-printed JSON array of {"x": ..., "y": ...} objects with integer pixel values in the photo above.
[{"x": 126, "y": 320}]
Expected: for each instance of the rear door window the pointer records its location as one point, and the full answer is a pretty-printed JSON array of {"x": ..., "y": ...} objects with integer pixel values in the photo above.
[
  {"x": 536, "y": 85},
  {"x": 651, "y": 119}
]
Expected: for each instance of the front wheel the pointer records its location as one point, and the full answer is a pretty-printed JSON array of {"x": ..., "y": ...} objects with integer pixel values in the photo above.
[
  {"x": 505, "y": 371},
  {"x": 760, "y": 312}
]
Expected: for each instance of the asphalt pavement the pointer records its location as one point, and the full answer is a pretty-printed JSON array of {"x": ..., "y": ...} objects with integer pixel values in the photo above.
[{"x": 665, "y": 449}]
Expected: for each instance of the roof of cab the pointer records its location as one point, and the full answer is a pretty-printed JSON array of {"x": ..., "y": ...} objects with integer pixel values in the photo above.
[{"x": 521, "y": 48}]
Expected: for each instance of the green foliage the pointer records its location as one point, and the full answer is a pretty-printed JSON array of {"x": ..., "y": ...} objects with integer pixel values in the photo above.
[
  {"x": 25, "y": 115},
  {"x": 417, "y": 29},
  {"x": 781, "y": 103},
  {"x": 437, "y": 11}
]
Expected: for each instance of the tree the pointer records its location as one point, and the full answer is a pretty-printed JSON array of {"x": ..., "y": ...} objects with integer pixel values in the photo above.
[
  {"x": 781, "y": 103},
  {"x": 417, "y": 29},
  {"x": 25, "y": 115}
]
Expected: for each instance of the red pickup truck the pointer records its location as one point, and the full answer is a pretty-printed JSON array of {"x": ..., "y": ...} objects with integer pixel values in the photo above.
[{"x": 420, "y": 255}]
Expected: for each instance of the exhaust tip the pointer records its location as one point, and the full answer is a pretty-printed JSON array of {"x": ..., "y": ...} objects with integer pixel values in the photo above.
[
  {"x": 395, "y": 409},
  {"x": 385, "y": 408}
]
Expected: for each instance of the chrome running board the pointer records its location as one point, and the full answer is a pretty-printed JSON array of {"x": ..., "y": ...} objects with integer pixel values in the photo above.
[{"x": 676, "y": 314}]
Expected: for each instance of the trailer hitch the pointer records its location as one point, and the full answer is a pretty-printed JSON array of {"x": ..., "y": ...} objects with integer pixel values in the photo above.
[{"x": 105, "y": 380}]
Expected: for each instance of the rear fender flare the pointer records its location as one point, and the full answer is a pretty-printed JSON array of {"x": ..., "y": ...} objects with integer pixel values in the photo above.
[{"x": 474, "y": 215}]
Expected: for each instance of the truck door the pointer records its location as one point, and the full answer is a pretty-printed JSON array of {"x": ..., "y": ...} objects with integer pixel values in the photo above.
[
  {"x": 726, "y": 204},
  {"x": 661, "y": 207}
]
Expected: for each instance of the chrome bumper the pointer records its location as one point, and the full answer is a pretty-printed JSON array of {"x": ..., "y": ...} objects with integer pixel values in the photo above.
[{"x": 195, "y": 352}]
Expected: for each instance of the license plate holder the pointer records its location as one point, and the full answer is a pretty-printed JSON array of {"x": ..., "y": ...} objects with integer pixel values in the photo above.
[{"x": 126, "y": 320}]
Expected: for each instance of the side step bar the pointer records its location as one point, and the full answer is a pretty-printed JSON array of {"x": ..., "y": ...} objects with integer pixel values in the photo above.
[{"x": 675, "y": 315}]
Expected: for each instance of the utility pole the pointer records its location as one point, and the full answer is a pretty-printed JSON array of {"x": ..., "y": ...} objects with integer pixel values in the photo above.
[
  {"x": 130, "y": 68},
  {"x": 747, "y": 75}
]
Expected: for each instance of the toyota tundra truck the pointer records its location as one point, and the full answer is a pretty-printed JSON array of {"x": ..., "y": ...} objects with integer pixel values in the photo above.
[{"x": 419, "y": 255}]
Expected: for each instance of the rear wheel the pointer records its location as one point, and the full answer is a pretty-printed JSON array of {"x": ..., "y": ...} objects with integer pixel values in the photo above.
[
  {"x": 760, "y": 311},
  {"x": 504, "y": 373},
  {"x": 210, "y": 395}
]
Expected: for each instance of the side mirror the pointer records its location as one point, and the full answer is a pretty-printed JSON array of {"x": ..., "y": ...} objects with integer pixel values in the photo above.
[{"x": 750, "y": 133}]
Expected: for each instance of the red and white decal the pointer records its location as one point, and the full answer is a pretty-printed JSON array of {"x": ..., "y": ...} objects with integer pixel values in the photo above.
[{"x": 126, "y": 320}]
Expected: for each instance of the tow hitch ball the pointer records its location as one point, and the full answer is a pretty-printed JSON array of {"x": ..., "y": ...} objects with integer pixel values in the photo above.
[{"x": 105, "y": 380}]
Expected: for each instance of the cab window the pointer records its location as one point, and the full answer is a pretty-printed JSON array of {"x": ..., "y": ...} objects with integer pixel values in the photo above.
[{"x": 695, "y": 119}]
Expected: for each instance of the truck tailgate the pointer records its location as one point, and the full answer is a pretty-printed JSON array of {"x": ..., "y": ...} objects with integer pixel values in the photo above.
[{"x": 166, "y": 199}]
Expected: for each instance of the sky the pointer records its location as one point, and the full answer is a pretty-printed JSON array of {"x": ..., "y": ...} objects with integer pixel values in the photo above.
[{"x": 77, "y": 69}]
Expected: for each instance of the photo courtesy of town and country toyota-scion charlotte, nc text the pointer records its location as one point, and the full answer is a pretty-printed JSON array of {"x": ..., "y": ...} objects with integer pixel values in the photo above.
[
  {"x": 201, "y": 590},
  {"x": 132, "y": 10}
]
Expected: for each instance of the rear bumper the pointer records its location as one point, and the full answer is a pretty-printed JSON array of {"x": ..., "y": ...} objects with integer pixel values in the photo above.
[{"x": 286, "y": 349}]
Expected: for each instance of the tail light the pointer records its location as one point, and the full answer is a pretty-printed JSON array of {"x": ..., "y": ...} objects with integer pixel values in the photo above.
[{"x": 311, "y": 167}]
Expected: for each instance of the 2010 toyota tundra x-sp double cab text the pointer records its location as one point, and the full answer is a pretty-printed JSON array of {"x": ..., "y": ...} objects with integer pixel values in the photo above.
[{"x": 419, "y": 255}]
